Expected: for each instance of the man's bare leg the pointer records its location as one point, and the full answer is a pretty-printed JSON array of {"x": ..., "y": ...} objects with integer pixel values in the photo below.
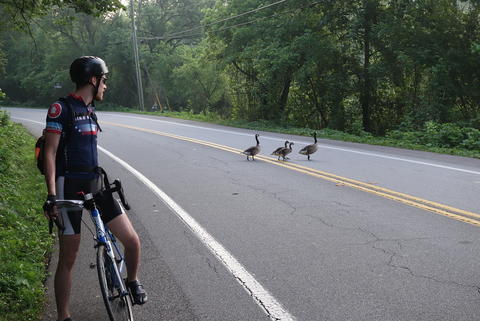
[
  {"x": 123, "y": 229},
  {"x": 69, "y": 245}
]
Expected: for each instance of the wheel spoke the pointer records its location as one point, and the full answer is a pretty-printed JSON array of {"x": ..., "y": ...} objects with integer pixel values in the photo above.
[{"x": 119, "y": 306}]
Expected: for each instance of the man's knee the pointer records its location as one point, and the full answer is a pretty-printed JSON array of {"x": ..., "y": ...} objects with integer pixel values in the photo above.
[
  {"x": 67, "y": 261},
  {"x": 69, "y": 247},
  {"x": 132, "y": 242}
]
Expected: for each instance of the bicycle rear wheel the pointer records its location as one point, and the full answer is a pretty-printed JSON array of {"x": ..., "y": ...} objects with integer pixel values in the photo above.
[{"x": 119, "y": 308}]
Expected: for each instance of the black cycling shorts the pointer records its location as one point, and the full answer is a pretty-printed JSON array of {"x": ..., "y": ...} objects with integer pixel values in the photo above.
[{"x": 68, "y": 188}]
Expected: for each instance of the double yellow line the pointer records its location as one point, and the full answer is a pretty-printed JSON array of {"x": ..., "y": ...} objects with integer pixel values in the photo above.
[{"x": 445, "y": 210}]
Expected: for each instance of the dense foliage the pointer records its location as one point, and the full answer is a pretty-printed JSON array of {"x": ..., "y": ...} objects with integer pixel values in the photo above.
[
  {"x": 23, "y": 228},
  {"x": 387, "y": 67},
  {"x": 19, "y": 14}
]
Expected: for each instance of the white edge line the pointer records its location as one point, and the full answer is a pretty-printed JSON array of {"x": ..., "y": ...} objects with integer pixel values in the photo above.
[
  {"x": 261, "y": 295},
  {"x": 32, "y": 121},
  {"x": 321, "y": 145}
]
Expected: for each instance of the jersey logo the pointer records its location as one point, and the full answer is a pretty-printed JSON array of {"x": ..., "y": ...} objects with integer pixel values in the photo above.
[{"x": 55, "y": 110}]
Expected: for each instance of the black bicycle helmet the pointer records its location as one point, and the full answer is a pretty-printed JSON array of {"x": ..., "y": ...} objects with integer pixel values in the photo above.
[{"x": 86, "y": 67}]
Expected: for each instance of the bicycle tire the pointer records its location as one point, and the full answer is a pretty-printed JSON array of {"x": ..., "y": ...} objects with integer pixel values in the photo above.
[{"x": 119, "y": 308}]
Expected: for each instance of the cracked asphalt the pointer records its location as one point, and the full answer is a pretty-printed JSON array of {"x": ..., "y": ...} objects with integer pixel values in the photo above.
[{"x": 324, "y": 250}]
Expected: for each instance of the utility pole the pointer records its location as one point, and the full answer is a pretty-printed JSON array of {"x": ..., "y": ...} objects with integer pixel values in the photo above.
[{"x": 137, "y": 59}]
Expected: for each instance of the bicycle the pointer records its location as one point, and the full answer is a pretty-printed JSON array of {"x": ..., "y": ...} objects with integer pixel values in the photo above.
[{"x": 110, "y": 261}]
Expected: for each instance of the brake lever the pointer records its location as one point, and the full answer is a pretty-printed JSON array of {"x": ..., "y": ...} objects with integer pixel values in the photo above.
[
  {"x": 57, "y": 223},
  {"x": 121, "y": 193}
]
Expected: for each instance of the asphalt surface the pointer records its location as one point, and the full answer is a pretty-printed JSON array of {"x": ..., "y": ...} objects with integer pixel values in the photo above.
[{"x": 322, "y": 249}]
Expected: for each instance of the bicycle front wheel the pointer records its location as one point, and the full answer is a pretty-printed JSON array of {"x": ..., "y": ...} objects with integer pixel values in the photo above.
[{"x": 119, "y": 307}]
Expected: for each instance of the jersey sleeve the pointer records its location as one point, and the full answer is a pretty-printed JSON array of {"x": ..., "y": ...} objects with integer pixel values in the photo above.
[{"x": 56, "y": 118}]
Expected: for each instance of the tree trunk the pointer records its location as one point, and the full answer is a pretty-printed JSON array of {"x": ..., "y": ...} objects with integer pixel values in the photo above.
[
  {"x": 282, "y": 104},
  {"x": 366, "y": 94}
]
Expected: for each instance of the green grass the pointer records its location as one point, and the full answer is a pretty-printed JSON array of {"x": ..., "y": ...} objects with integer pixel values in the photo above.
[
  {"x": 25, "y": 244},
  {"x": 363, "y": 138}
]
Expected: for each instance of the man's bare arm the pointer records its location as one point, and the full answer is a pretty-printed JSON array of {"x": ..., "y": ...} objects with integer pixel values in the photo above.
[{"x": 51, "y": 145}]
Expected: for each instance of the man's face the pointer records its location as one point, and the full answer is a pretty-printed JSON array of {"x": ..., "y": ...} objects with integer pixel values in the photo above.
[{"x": 101, "y": 88}]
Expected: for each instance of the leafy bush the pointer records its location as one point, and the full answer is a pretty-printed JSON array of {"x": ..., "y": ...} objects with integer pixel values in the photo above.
[
  {"x": 444, "y": 135},
  {"x": 440, "y": 135},
  {"x": 472, "y": 142},
  {"x": 4, "y": 119},
  {"x": 412, "y": 137},
  {"x": 449, "y": 135}
]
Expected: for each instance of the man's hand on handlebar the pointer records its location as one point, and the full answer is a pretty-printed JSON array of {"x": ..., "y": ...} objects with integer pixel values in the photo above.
[
  {"x": 51, "y": 212},
  {"x": 49, "y": 208}
]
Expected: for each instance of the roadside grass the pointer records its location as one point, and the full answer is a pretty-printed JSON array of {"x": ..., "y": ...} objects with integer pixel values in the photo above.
[
  {"x": 396, "y": 140},
  {"x": 25, "y": 243}
]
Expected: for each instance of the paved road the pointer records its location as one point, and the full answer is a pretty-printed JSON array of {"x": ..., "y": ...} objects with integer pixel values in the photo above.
[{"x": 358, "y": 233}]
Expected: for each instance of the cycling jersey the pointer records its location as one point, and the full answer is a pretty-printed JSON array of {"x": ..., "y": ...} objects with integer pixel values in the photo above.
[{"x": 77, "y": 154}]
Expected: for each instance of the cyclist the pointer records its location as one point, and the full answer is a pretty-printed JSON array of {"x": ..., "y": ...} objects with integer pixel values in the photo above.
[{"x": 70, "y": 167}]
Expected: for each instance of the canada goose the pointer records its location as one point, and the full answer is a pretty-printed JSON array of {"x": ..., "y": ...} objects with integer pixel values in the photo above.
[
  {"x": 276, "y": 152},
  {"x": 310, "y": 149},
  {"x": 285, "y": 151},
  {"x": 254, "y": 150}
]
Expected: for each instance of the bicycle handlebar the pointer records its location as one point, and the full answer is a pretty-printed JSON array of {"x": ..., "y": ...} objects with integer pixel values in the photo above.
[
  {"x": 69, "y": 204},
  {"x": 115, "y": 187}
]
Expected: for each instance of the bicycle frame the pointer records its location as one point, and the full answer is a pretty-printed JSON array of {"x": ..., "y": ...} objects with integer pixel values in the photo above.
[{"x": 103, "y": 236}]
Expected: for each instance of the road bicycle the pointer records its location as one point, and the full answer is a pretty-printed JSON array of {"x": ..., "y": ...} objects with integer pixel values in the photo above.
[{"x": 110, "y": 259}]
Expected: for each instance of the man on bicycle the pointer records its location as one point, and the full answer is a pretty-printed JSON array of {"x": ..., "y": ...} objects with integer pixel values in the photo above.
[{"x": 70, "y": 167}]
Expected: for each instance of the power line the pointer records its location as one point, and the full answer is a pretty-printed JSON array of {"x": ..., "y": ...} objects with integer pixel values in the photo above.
[{"x": 172, "y": 35}]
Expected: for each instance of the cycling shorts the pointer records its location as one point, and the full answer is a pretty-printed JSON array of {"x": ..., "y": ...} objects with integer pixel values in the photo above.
[{"x": 68, "y": 188}]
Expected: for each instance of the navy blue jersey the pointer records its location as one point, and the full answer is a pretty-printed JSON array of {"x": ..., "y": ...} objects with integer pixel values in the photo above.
[{"x": 77, "y": 151}]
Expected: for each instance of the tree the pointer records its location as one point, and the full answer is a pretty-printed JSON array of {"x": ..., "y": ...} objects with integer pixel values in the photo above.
[
  {"x": 202, "y": 81},
  {"x": 19, "y": 14}
]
